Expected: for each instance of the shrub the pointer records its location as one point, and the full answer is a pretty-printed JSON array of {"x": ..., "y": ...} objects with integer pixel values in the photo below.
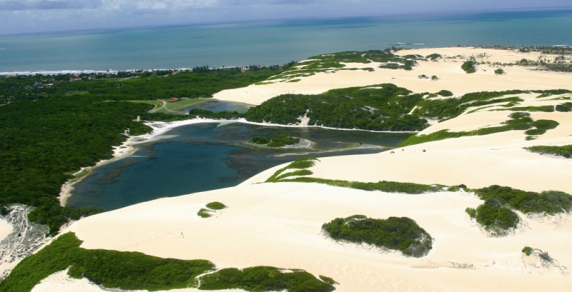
[
  {"x": 472, "y": 212},
  {"x": 264, "y": 279},
  {"x": 328, "y": 280},
  {"x": 204, "y": 213},
  {"x": 565, "y": 107},
  {"x": 434, "y": 57},
  {"x": 564, "y": 151},
  {"x": 112, "y": 269},
  {"x": 457, "y": 188},
  {"x": 519, "y": 121},
  {"x": 216, "y": 205},
  {"x": 445, "y": 93},
  {"x": 499, "y": 71},
  {"x": 527, "y": 250},
  {"x": 393, "y": 233},
  {"x": 434, "y": 78},
  {"x": 495, "y": 218},
  {"x": 301, "y": 163},
  {"x": 549, "y": 202},
  {"x": 396, "y": 187},
  {"x": 469, "y": 67}
]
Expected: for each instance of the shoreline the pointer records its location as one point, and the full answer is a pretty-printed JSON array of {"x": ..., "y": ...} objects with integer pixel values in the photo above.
[{"x": 160, "y": 128}]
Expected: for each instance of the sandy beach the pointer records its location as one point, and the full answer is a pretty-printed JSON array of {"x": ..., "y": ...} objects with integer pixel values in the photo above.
[{"x": 279, "y": 224}]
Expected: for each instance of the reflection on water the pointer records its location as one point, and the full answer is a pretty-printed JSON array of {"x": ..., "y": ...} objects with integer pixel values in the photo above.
[
  {"x": 219, "y": 106},
  {"x": 204, "y": 157}
]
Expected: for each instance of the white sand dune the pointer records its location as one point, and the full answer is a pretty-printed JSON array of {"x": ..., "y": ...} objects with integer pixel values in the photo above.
[
  {"x": 279, "y": 224},
  {"x": 5, "y": 229},
  {"x": 451, "y": 76}
]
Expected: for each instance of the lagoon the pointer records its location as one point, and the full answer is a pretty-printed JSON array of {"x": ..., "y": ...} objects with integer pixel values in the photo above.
[{"x": 209, "y": 156}]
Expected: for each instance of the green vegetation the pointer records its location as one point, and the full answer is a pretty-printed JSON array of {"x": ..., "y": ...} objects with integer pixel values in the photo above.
[
  {"x": 449, "y": 108},
  {"x": 434, "y": 78},
  {"x": 52, "y": 127},
  {"x": 377, "y": 107},
  {"x": 407, "y": 65},
  {"x": 472, "y": 212},
  {"x": 445, "y": 93},
  {"x": 499, "y": 71},
  {"x": 216, "y": 205},
  {"x": 547, "y": 202},
  {"x": 496, "y": 214},
  {"x": 393, "y": 233},
  {"x": 496, "y": 219},
  {"x": 144, "y": 85},
  {"x": 211, "y": 207},
  {"x": 264, "y": 279},
  {"x": 544, "y": 108},
  {"x": 469, "y": 67},
  {"x": 277, "y": 141},
  {"x": 527, "y": 250},
  {"x": 434, "y": 57},
  {"x": 335, "y": 61},
  {"x": 519, "y": 121},
  {"x": 301, "y": 164},
  {"x": 565, "y": 107},
  {"x": 384, "y": 186},
  {"x": 546, "y": 259},
  {"x": 204, "y": 213},
  {"x": 564, "y": 151},
  {"x": 43, "y": 142},
  {"x": 328, "y": 280},
  {"x": 138, "y": 271},
  {"x": 112, "y": 269}
]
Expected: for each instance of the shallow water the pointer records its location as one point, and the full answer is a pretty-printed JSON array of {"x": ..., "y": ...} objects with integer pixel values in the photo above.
[{"x": 202, "y": 157}]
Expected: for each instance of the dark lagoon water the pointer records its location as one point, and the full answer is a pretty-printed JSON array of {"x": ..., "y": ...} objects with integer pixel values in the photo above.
[{"x": 209, "y": 156}]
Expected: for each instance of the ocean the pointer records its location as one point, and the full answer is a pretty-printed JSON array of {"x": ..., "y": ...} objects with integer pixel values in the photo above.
[{"x": 272, "y": 43}]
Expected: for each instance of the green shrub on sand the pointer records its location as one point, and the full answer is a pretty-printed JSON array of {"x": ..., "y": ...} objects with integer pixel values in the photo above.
[{"x": 393, "y": 233}]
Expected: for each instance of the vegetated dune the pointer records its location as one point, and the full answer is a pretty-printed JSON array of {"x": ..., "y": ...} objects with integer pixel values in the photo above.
[
  {"x": 279, "y": 224},
  {"x": 448, "y": 70}
]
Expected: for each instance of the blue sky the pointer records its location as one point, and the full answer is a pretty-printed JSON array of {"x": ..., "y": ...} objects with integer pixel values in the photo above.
[{"x": 21, "y": 16}]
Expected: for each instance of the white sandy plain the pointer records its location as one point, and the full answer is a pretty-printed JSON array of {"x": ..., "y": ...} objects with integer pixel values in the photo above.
[
  {"x": 279, "y": 224},
  {"x": 5, "y": 228},
  {"x": 451, "y": 76}
]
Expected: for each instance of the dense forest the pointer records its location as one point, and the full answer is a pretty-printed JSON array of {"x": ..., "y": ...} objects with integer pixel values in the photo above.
[
  {"x": 382, "y": 107},
  {"x": 50, "y": 126},
  {"x": 379, "y": 107},
  {"x": 200, "y": 82}
]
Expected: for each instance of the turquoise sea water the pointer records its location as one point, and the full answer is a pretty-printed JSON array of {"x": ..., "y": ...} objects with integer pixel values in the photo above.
[{"x": 273, "y": 42}]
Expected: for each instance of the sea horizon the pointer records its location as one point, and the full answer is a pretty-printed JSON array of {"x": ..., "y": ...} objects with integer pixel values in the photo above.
[{"x": 271, "y": 42}]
